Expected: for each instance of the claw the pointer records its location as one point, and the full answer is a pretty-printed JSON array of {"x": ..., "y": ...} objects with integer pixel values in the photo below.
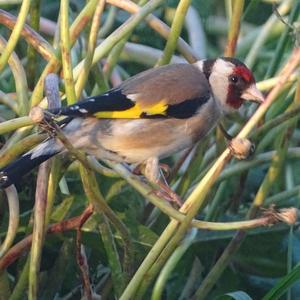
[
  {"x": 167, "y": 193},
  {"x": 153, "y": 172}
]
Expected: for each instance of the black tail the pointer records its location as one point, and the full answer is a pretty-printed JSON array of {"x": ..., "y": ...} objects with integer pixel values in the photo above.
[{"x": 12, "y": 173}]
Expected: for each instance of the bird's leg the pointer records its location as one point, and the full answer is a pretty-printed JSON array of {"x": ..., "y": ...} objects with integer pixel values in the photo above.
[
  {"x": 154, "y": 174},
  {"x": 166, "y": 190},
  {"x": 138, "y": 170},
  {"x": 240, "y": 148}
]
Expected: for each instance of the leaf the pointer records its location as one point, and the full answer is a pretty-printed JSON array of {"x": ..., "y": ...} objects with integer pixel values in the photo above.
[
  {"x": 238, "y": 295},
  {"x": 62, "y": 209},
  {"x": 115, "y": 189},
  {"x": 146, "y": 236},
  {"x": 282, "y": 286}
]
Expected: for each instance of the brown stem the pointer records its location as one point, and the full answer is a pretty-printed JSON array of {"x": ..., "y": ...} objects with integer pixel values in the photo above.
[
  {"x": 33, "y": 38},
  {"x": 18, "y": 249},
  {"x": 82, "y": 261},
  {"x": 38, "y": 233}
]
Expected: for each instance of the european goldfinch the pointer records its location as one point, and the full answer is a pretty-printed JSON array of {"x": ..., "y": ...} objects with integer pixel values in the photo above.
[{"x": 149, "y": 116}]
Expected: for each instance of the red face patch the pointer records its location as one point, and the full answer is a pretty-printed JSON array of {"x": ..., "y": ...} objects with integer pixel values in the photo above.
[
  {"x": 240, "y": 79},
  {"x": 234, "y": 97},
  {"x": 245, "y": 73}
]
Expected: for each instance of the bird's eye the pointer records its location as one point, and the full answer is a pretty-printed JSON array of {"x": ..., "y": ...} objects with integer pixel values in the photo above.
[{"x": 233, "y": 78}]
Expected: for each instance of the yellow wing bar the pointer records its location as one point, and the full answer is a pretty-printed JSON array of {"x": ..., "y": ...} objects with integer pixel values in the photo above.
[{"x": 134, "y": 112}]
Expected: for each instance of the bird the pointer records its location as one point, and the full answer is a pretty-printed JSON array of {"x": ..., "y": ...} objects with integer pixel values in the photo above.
[{"x": 148, "y": 117}]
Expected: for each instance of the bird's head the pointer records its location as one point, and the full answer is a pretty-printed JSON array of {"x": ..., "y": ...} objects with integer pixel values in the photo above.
[{"x": 231, "y": 82}]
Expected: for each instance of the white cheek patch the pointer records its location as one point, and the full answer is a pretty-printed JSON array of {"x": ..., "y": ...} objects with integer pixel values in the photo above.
[{"x": 219, "y": 81}]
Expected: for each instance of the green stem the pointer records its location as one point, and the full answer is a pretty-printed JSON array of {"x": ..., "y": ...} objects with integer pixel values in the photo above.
[
  {"x": 239, "y": 167},
  {"x": 20, "y": 80},
  {"x": 14, "y": 217},
  {"x": 290, "y": 258},
  {"x": 9, "y": 102},
  {"x": 109, "y": 22},
  {"x": 14, "y": 37},
  {"x": 192, "y": 169},
  {"x": 145, "y": 55},
  {"x": 283, "y": 196},
  {"x": 52, "y": 187},
  {"x": 119, "y": 33},
  {"x": 216, "y": 202},
  {"x": 118, "y": 277},
  {"x": 139, "y": 276},
  {"x": 175, "y": 32},
  {"x": 228, "y": 8},
  {"x": 272, "y": 174},
  {"x": 99, "y": 168},
  {"x": 54, "y": 63},
  {"x": 145, "y": 190},
  {"x": 264, "y": 32},
  {"x": 114, "y": 55},
  {"x": 237, "y": 240},
  {"x": 31, "y": 54},
  {"x": 266, "y": 85},
  {"x": 14, "y": 124},
  {"x": 38, "y": 230},
  {"x": 59, "y": 269},
  {"x": 217, "y": 270},
  {"x": 4, "y": 286},
  {"x": 95, "y": 197},
  {"x": 171, "y": 264},
  {"x": 82, "y": 78},
  {"x": 19, "y": 148},
  {"x": 251, "y": 5},
  {"x": 31, "y": 37},
  {"x": 234, "y": 28},
  {"x": 156, "y": 24},
  {"x": 281, "y": 44},
  {"x": 66, "y": 51},
  {"x": 277, "y": 121},
  {"x": 19, "y": 289}
]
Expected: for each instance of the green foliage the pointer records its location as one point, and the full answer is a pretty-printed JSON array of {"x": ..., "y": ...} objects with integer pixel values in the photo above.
[{"x": 133, "y": 244}]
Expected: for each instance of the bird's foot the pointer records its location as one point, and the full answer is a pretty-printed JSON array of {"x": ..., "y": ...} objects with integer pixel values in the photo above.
[
  {"x": 167, "y": 193},
  {"x": 241, "y": 148}
]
